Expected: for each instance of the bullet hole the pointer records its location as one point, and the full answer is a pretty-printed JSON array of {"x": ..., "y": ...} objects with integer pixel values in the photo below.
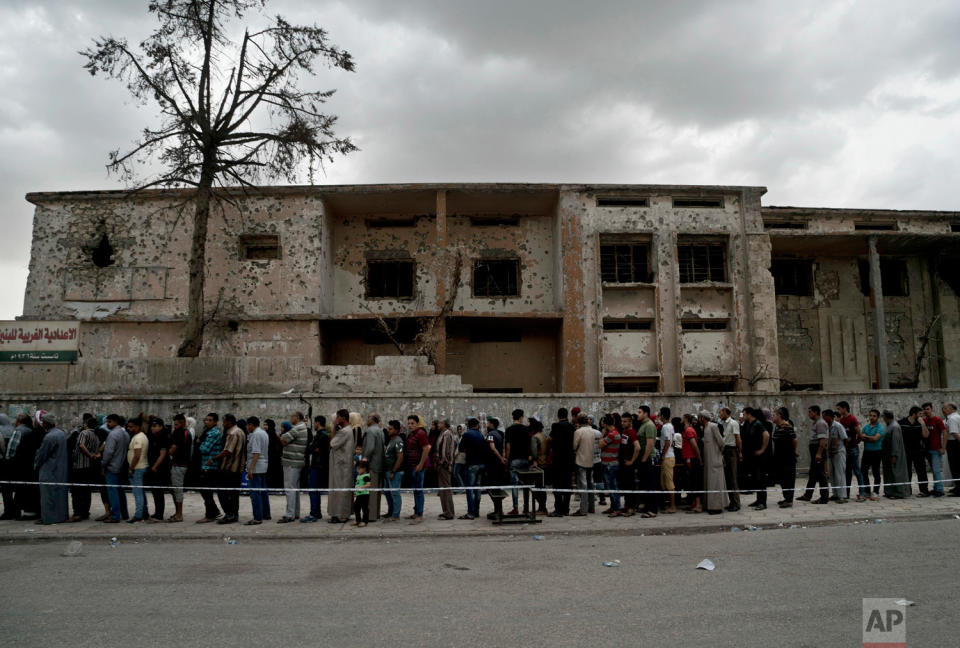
[
  {"x": 233, "y": 325},
  {"x": 102, "y": 254}
]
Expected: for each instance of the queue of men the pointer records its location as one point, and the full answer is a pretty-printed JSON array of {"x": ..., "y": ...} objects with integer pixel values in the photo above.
[{"x": 696, "y": 462}]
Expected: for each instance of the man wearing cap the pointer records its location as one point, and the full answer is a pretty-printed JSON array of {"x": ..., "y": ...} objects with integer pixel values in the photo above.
[{"x": 51, "y": 463}]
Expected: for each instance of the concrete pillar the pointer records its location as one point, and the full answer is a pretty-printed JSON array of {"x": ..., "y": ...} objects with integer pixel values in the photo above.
[
  {"x": 573, "y": 335},
  {"x": 440, "y": 278},
  {"x": 879, "y": 321},
  {"x": 668, "y": 307}
]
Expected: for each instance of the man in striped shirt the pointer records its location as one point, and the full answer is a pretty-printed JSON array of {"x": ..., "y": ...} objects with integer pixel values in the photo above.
[{"x": 86, "y": 468}]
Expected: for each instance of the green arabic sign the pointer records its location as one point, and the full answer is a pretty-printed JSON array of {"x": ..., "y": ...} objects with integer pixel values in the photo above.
[{"x": 38, "y": 356}]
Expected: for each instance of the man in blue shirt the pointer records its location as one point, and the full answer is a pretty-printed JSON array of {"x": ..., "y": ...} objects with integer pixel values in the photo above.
[
  {"x": 872, "y": 434},
  {"x": 474, "y": 448},
  {"x": 211, "y": 445}
]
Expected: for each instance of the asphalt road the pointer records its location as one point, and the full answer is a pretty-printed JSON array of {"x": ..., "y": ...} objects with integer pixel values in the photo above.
[{"x": 801, "y": 587}]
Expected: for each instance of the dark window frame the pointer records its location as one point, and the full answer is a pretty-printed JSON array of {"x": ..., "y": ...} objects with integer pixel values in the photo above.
[
  {"x": 894, "y": 277},
  {"x": 395, "y": 275},
  {"x": 709, "y": 266},
  {"x": 623, "y": 325},
  {"x": 709, "y": 384},
  {"x": 260, "y": 247},
  {"x": 639, "y": 385},
  {"x": 485, "y": 265},
  {"x": 706, "y": 202},
  {"x": 701, "y": 325},
  {"x": 626, "y": 201},
  {"x": 620, "y": 262},
  {"x": 792, "y": 277}
]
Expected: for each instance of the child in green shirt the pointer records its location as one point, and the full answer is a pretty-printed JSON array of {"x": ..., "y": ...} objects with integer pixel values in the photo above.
[{"x": 361, "y": 505}]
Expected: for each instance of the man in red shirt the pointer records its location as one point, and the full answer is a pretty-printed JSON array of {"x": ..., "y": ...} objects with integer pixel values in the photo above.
[
  {"x": 936, "y": 443},
  {"x": 415, "y": 453},
  {"x": 852, "y": 426}
]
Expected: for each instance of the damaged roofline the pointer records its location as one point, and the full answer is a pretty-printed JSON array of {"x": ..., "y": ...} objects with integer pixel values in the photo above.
[{"x": 778, "y": 210}]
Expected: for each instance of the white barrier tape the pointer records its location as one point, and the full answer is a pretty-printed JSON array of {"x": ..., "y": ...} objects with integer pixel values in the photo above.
[{"x": 435, "y": 489}]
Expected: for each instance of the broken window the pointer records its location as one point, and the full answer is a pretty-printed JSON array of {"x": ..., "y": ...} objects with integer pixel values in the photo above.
[
  {"x": 102, "y": 253},
  {"x": 631, "y": 385},
  {"x": 792, "y": 277},
  {"x": 622, "y": 202},
  {"x": 698, "y": 202},
  {"x": 626, "y": 325},
  {"x": 874, "y": 226},
  {"x": 704, "y": 325},
  {"x": 701, "y": 261},
  {"x": 259, "y": 247},
  {"x": 496, "y": 278},
  {"x": 625, "y": 263},
  {"x": 392, "y": 279},
  {"x": 709, "y": 384},
  {"x": 784, "y": 225},
  {"x": 894, "y": 280}
]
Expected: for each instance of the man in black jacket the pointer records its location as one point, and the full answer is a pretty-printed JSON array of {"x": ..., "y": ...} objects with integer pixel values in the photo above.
[{"x": 560, "y": 444}]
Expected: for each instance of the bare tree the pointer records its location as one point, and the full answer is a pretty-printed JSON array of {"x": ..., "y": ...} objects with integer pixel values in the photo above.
[{"x": 232, "y": 114}]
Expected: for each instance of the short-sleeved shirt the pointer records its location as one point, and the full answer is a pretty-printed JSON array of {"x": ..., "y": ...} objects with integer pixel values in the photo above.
[
  {"x": 474, "y": 447},
  {"x": 953, "y": 427},
  {"x": 912, "y": 434},
  {"x": 158, "y": 442},
  {"x": 647, "y": 431},
  {"x": 820, "y": 431},
  {"x": 233, "y": 446},
  {"x": 627, "y": 438},
  {"x": 666, "y": 441},
  {"x": 838, "y": 435},
  {"x": 416, "y": 443},
  {"x": 210, "y": 447},
  {"x": 870, "y": 430},
  {"x": 850, "y": 423},
  {"x": 597, "y": 435},
  {"x": 518, "y": 436},
  {"x": 141, "y": 443},
  {"x": 391, "y": 451},
  {"x": 689, "y": 440},
  {"x": 731, "y": 430},
  {"x": 180, "y": 443},
  {"x": 258, "y": 443},
  {"x": 935, "y": 427},
  {"x": 610, "y": 451}
]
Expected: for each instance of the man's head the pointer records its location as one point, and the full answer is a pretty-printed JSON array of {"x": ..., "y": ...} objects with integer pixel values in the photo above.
[
  {"x": 914, "y": 413},
  {"x": 373, "y": 419},
  {"x": 179, "y": 421},
  {"x": 843, "y": 408},
  {"x": 627, "y": 419},
  {"x": 413, "y": 422},
  {"x": 927, "y": 410},
  {"x": 493, "y": 423},
  {"x": 813, "y": 412},
  {"x": 643, "y": 413},
  {"x": 48, "y": 421},
  {"x": 583, "y": 420},
  {"x": 229, "y": 421},
  {"x": 874, "y": 416},
  {"x": 828, "y": 416},
  {"x": 473, "y": 423},
  {"x": 607, "y": 422},
  {"x": 749, "y": 414},
  {"x": 887, "y": 416},
  {"x": 133, "y": 425},
  {"x": 517, "y": 415},
  {"x": 393, "y": 427},
  {"x": 113, "y": 420},
  {"x": 949, "y": 408},
  {"x": 343, "y": 417},
  {"x": 319, "y": 423},
  {"x": 705, "y": 417},
  {"x": 156, "y": 425},
  {"x": 781, "y": 415},
  {"x": 665, "y": 414},
  {"x": 444, "y": 424},
  {"x": 253, "y": 422},
  {"x": 295, "y": 418},
  {"x": 210, "y": 421},
  {"x": 562, "y": 414}
]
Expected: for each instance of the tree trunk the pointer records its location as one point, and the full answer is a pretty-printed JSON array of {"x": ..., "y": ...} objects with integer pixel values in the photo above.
[{"x": 193, "y": 329}]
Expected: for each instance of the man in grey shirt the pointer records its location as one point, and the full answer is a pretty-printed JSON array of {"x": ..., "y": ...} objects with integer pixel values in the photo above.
[
  {"x": 373, "y": 453},
  {"x": 732, "y": 456},
  {"x": 258, "y": 445},
  {"x": 113, "y": 458},
  {"x": 818, "y": 457}
]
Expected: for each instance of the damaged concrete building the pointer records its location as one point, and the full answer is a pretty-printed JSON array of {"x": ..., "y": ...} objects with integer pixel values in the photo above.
[{"x": 534, "y": 288}]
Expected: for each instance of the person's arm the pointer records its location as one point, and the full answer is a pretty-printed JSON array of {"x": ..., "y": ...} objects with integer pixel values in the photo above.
[
  {"x": 84, "y": 450},
  {"x": 136, "y": 459},
  {"x": 159, "y": 462},
  {"x": 648, "y": 450},
  {"x": 493, "y": 447},
  {"x": 763, "y": 445},
  {"x": 397, "y": 464},
  {"x": 943, "y": 440},
  {"x": 424, "y": 453},
  {"x": 253, "y": 463},
  {"x": 736, "y": 435},
  {"x": 796, "y": 445},
  {"x": 821, "y": 445}
]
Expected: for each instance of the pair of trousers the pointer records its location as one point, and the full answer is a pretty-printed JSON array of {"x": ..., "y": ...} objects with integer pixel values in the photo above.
[
  {"x": 257, "y": 496},
  {"x": 177, "y": 476},
  {"x": 838, "y": 471},
  {"x": 853, "y": 470},
  {"x": 917, "y": 461},
  {"x": 787, "y": 476},
  {"x": 627, "y": 481},
  {"x": 376, "y": 482},
  {"x": 416, "y": 483},
  {"x": 610, "y": 480},
  {"x": 585, "y": 483},
  {"x": 81, "y": 494},
  {"x": 209, "y": 479},
  {"x": 540, "y": 497},
  {"x": 562, "y": 475},
  {"x": 818, "y": 474},
  {"x": 230, "y": 495},
  {"x": 361, "y": 508},
  {"x": 731, "y": 466},
  {"x": 118, "y": 499},
  {"x": 315, "y": 480},
  {"x": 139, "y": 497},
  {"x": 953, "y": 457},
  {"x": 446, "y": 496},
  {"x": 936, "y": 467},
  {"x": 647, "y": 478},
  {"x": 10, "y": 508},
  {"x": 474, "y": 478},
  {"x": 871, "y": 462},
  {"x": 159, "y": 480},
  {"x": 393, "y": 493},
  {"x": 291, "y": 486},
  {"x": 515, "y": 465}
]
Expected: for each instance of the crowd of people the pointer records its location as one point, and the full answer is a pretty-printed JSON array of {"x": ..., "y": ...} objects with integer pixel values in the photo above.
[{"x": 633, "y": 463}]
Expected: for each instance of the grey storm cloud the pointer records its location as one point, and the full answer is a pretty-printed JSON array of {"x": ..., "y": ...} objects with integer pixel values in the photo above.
[{"x": 826, "y": 103}]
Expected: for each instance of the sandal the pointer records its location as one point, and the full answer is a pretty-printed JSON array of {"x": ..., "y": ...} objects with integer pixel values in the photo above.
[{"x": 647, "y": 516}]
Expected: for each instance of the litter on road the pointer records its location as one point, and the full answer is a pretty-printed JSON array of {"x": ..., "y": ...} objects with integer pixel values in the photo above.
[{"x": 706, "y": 564}]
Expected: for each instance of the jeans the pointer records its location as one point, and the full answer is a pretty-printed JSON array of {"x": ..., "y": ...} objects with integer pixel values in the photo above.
[
  {"x": 257, "y": 497},
  {"x": 460, "y": 475},
  {"x": 118, "y": 499},
  {"x": 291, "y": 485},
  {"x": 315, "y": 481},
  {"x": 853, "y": 470},
  {"x": 585, "y": 483},
  {"x": 871, "y": 461},
  {"x": 515, "y": 465},
  {"x": 936, "y": 466},
  {"x": 474, "y": 478},
  {"x": 416, "y": 483},
  {"x": 393, "y": 493},
  {"x": 953, "y": 457},
  {"x": 610, "y": 479},
  {"x": 139, "y": 497}
]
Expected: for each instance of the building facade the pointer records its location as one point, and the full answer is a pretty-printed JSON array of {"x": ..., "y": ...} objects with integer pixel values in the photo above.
[{"x": 533, "y": 288}]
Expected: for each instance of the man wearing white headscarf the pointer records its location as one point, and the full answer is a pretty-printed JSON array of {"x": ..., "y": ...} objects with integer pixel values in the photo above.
[
  {"x": 341, "y": 469},
  {"x": 52, "y": 465}
]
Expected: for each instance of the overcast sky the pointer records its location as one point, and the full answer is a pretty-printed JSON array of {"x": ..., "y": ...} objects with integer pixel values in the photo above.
[{"x": 844, "y": 104}]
